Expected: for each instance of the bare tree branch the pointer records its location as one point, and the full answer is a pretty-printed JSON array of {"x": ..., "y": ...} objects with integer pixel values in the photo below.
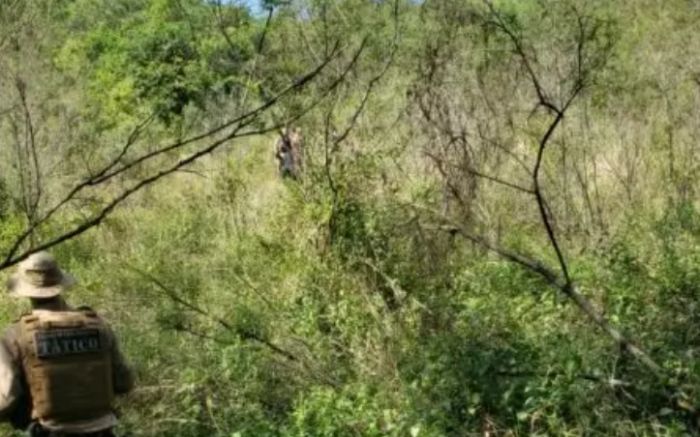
[
  {"x": 261, "y": 42},
  {"x": 30, "y": 144},
  {"x": 565, "y": 283},
  {"x": 560, "y": 278},
  {"x": 237, "y": 125},
  {"x": 501, "y": 24},
  {"x": 440, "y": 164},
  {"x": 330, "y": 148},
  {"x": 242, "y": 120},
  {"x": 245, "y": 335},
  {"x": 541, "y": 203}
]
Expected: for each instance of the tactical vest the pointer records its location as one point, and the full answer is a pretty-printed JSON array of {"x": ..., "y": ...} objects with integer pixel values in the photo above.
[{"x": 68, "y": 366}]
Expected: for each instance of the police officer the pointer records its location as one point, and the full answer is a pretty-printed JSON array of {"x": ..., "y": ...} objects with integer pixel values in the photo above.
[{"x": 59, "y": 367}]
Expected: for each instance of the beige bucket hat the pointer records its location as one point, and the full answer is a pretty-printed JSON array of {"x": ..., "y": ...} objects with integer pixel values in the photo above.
[{"x": 39, "y": 277}]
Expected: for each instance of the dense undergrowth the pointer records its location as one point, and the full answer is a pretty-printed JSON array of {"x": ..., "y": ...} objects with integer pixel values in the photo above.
[{"x": 471, "y": 345}]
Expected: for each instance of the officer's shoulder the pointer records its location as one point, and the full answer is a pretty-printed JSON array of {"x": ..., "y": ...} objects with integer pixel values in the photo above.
[
  {"x": 14, "y": 326},
  {"x": 90, "y": 312},
  {"x": 17, "y": 320},
  {"x": 87, "y": 310}
]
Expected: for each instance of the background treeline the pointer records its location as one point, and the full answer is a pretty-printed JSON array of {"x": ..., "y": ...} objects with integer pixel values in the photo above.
[{"x": 496, "y": 233}]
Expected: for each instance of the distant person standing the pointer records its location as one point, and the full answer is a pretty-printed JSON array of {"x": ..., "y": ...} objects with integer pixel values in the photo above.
[
  {"x": 283, "y": 153},
  {"x": 59, "y": 367},
  {"x": 289, "y": 153},
  {"x": 296, "y": 140}
]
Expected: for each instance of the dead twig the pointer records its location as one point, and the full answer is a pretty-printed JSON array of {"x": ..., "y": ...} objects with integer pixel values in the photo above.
[{"x": 237, "y": 130}]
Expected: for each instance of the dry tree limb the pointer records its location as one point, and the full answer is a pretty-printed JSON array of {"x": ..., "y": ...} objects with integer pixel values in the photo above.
[
  {"x": 561, "y": 279},
  {"x": 236, "y": 129},
  {"x": 333, "y": 140},
  {"x": 244, "y": 335},
  {"x": 564, "y": 283},
  {"x": 440, "y": 164},
  {"x": 308, "y": 367}
]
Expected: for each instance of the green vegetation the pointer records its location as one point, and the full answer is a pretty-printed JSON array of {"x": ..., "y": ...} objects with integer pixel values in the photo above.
[{"x": 406, "y": 284}]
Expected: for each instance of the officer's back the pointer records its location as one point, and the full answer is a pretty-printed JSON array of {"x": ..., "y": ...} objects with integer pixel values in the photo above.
[{"x": 59, "y": 367}]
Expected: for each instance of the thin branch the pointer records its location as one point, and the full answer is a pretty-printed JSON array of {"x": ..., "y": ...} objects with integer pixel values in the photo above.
[
  {"x": 71, "y": 195},
  {"x": 130, "y": 141},
  {"x": 245, "y": 335},
  {"x": 541, "y": 203},
  {"x": 609, "y": 381},
  {"x": 519, "y": 160},
  {"x": 30, "y": 142},
  {"x": 368, "y": 92},
  {"x": 245, "y": 279},
  {"x": 559, "y": 115},
  {"x": 522, "y": 54},
  {"x": 566, "y": 286},
  {"x": 243, "y": 121},
  {"x": 439, "y": 162},
  {"x": 204, "y": 336},
  {"x": 562, "y": 280},
  {"x": 222, "y": 29},
  {"x": 268, "y": 21},
  {"x": 570, "y": 290},
  {"x": 329, "y": 151},
  {"x": 399, "y": 292}
]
